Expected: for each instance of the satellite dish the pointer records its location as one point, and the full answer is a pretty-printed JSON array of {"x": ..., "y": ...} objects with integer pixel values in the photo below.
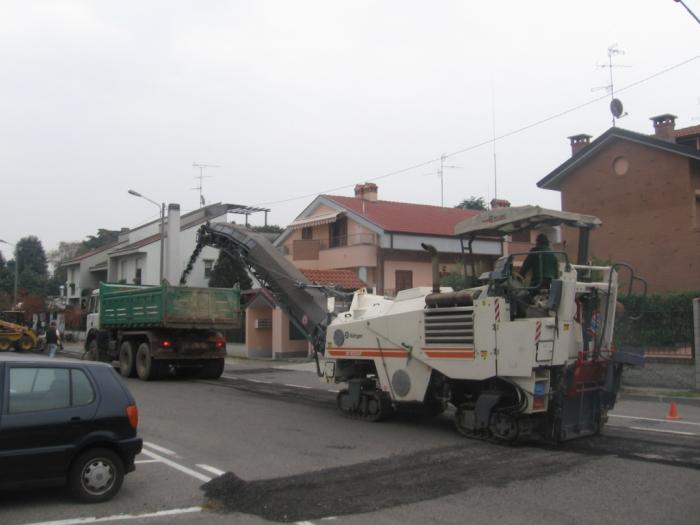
[{"x": 616, "y": 107}]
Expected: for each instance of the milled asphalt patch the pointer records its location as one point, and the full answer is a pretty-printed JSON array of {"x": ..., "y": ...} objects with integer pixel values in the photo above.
[
  {"x": 383, "y": 483},
  {"x": 426, "y": 475}
]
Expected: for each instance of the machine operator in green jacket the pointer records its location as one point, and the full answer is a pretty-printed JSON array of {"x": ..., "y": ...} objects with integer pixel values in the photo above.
[{"x": 542, "y": 266}]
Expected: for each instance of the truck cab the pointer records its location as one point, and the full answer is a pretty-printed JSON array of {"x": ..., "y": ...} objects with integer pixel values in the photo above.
[{"x": 93, "y": 315}]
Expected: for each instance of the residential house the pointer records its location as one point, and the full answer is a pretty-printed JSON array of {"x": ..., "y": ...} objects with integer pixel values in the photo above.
[
  {"x": 135, "y": 257},
  {"x": 380, "y": 241},
  {"x": 646, "y": 190}
]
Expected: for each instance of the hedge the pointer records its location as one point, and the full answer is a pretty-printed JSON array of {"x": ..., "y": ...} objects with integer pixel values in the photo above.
[{"x": 667, "y": 320}]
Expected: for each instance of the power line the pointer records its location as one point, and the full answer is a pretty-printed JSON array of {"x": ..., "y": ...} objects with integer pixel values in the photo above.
[{"x": 489, "y": 141}]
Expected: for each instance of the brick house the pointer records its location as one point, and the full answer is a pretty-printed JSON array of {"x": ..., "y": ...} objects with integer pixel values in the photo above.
[
  {"x": 380, "y": 241},
  {"x": 646, "y": 190}
]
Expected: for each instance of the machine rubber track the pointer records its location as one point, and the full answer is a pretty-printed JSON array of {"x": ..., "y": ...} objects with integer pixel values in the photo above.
[{"x": 375, "y": 406}]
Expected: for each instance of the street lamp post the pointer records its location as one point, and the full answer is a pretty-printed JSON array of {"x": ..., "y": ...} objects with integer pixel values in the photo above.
[
  {"x": 16, "y": 268},
  {"x": 162, "y": 227}
]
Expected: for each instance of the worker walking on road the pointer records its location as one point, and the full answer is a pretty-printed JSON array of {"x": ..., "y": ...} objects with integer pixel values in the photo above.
[
  {"x": 542, "y": 266},
  {"x": 53, "y": 338}
]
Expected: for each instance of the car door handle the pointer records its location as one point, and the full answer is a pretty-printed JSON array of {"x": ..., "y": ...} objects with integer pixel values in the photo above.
[{"x": 75, "y": 419}]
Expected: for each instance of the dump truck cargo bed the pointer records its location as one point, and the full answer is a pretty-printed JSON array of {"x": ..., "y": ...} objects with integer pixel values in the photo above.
[{"x": 167, "y": 306}]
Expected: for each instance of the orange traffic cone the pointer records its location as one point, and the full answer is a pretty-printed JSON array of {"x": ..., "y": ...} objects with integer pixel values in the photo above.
[{"x": 673, "y": 412}]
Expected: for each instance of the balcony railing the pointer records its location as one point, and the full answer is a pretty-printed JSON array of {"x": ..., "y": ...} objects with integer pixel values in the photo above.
[
  {"x": 308, "y": 249},
  {"x": 348, "y": 240}
]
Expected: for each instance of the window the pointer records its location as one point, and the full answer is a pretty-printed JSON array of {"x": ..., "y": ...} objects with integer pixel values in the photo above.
[
  {"x": 208, "y": 267},
  {"x": 137, "y": 279},
  {"x": 307, "y": 233},
  {"x": 404, "y": 280},
  {"x": 339, "y": 233},
  {"x": 35, "y": 389},
  {"x": 82, "y": 391},
  {"x": 294, "y": 333},
  {"x": 697, "y": 208}
]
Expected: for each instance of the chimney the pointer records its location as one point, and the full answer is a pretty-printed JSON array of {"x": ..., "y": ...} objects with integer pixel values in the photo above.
[
  {"x": 578, "y": 142},
  {"x": 664, "y": 126},
  {"x": 499, "y": 203},
  {"x": 172, "y": 246},
  {"x": 366, "y": 191}
]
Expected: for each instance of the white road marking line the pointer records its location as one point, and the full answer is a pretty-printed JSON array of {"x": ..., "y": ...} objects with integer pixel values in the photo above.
[
  {"x": 211, "y": 469},
  {"x": 335, "y": 392},
  {"x": 177, "y": 466},
  {"x": 297, "y": 386},
  {"x": 304, "y": 523},
  {"x": 160, "y": 449},
  {"x": 139, "y": 461},
  {"x": 120, "y": 517},
  {"x": 664, "y": 431},
  {"x": 657, "y": 420}
]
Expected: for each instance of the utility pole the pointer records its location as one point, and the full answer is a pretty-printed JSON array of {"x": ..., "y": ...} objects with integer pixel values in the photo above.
[{"x": 202, "y": 166}]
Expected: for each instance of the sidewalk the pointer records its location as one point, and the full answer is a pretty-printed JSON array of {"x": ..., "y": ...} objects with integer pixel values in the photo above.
[{"x": 661, "y": 395}]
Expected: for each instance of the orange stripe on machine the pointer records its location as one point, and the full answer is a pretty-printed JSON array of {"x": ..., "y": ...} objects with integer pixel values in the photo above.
[
  {"x": 367, "y": 352},
  {"x": 450, "y": 353}
]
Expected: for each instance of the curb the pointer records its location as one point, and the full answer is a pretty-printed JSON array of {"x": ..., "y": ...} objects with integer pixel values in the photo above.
[{"x": 661, "y": 398}]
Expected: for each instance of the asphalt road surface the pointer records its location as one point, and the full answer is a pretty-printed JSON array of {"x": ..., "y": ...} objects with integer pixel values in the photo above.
[{"x": 266, "y": 445}]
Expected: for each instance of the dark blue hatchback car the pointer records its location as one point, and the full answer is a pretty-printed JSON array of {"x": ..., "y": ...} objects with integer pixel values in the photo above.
[{"x": 66, "y": 422}]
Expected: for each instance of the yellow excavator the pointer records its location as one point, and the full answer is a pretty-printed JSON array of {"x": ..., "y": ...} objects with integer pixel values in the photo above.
[{"x": 14, "y": 334}]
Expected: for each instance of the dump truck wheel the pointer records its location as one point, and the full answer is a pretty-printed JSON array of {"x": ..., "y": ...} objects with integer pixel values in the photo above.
[
  {"x": 126, "y": 360},
  {"x": 24, "y": 343},
  {"x": 5, "y": 345},
  {"x": 147, "y": 368},
  {"x": 212, "y": 369}
]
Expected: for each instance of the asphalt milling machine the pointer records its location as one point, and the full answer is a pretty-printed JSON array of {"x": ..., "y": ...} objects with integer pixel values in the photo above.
[{"x": 516, "y": 361}]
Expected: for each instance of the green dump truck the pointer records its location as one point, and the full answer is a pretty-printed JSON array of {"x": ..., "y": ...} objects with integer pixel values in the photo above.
[{"x": 153, "y": 331}]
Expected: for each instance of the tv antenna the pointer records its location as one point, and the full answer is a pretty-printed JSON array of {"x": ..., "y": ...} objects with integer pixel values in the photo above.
[
  {"x": 201, "y": 177},
  {"x": 441, "y": 174},
  {"x": 616, "y": 107}
]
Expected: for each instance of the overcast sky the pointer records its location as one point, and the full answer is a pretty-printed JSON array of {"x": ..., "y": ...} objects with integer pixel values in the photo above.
[{"x": 295, "y": 98}]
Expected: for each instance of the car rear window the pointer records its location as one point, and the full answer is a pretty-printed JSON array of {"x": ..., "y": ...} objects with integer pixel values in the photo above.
[
  {"x": 35, "y": 389},
  {"x": 83, "y": 394}
]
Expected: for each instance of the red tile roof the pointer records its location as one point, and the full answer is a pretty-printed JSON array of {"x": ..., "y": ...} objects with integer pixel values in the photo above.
[
  {"x": 345, "y": 279},
  {"x": 406, "y": 217},
  {"x": 685, "y": 132}
]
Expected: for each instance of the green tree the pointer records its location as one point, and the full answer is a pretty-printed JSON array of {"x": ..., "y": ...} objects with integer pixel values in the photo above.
[
  {"x": 268, "y": 228},
  {"x": 473, "y": 203},
  {"x": 31, "y": 256},
  {"x": 103, "y": 238},
  {"x": 33, "y": 274},
  {"x": 228, "y": 271}
]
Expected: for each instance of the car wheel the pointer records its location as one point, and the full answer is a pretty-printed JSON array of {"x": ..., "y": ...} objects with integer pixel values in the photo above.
[
  {"x": 146, "y": 367},
  {"x": 212, "y": 369},
  {"x": 126, "y": 360},
  {"x": 5, "y": 345},
  {"x": 96, "y": 475},
  {"x": 24, "y": 344}
]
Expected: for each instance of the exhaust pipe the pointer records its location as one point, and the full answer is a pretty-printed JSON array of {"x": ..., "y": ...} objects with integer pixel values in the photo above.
[{"x": 436, "y": 267}]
